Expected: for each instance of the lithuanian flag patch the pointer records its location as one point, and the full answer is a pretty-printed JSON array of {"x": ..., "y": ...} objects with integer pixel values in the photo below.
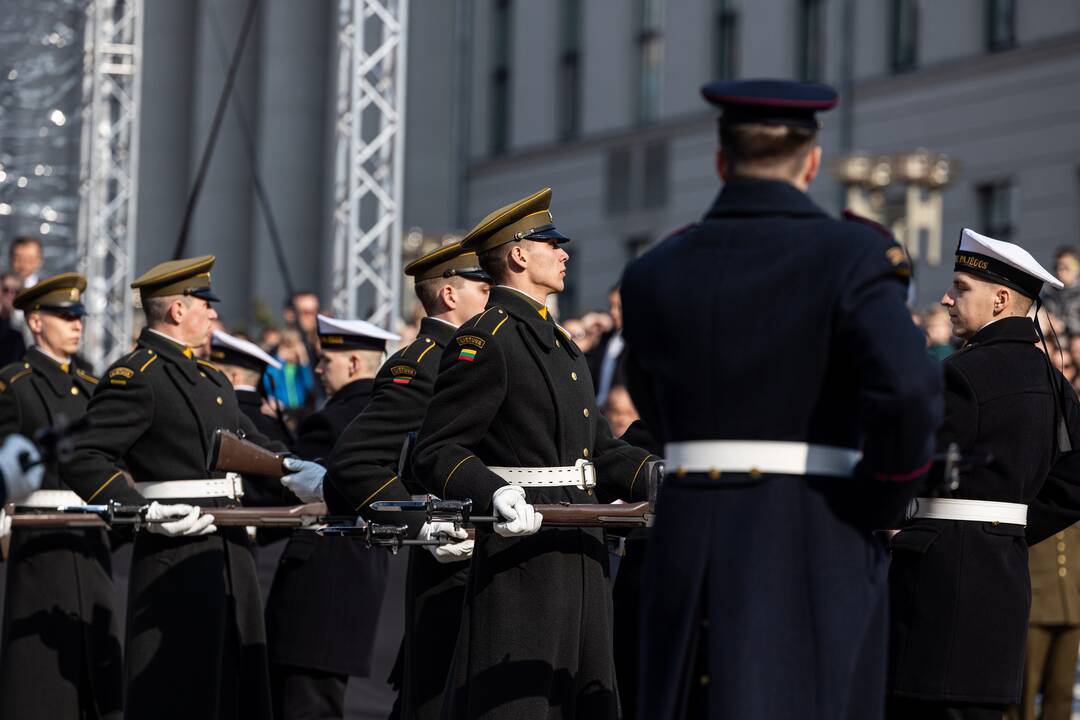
[
  {"x": 402, "y": 380},
  {"x": 467, "y": 353}
]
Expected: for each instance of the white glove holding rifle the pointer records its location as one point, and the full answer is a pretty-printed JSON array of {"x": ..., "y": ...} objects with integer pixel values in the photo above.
[
  {"x": 190, "y": 520},
  {"x": 451, "y": 551},
  {"x": 519, "y": 517},
  {"x": 305, "y": 479},
  {"x": 21, "y": 469}
]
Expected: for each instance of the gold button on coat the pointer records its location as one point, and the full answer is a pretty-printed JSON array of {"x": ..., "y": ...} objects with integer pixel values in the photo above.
[
  {"x": 573, "y": 376},
  {"x": 74, "y": 391},
  {"x": 585, "y": 452},
  {"x": 1062, "y": 572},
  {"x": 586, "y": 411},
  {"x": 220, "y": 401}
]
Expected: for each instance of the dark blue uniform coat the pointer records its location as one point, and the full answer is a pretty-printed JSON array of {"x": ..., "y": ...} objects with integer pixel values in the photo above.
[
  {"x": 770, "y": 320},
  {"x": 325, "y": 600}
]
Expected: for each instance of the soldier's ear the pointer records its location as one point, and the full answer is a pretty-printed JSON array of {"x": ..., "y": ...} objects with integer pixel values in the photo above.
[
  {"x": 813, "y": 165},
  {"x": 723, "y": 167}
]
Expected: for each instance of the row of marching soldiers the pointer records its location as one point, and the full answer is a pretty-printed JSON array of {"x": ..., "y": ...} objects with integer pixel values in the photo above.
[{"x": 769, "y": 589}]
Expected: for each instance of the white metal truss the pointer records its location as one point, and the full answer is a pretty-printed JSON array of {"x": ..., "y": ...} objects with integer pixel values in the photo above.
[
  {"x": 108, "y": 170},
  {"x": 369, "y": 159}
]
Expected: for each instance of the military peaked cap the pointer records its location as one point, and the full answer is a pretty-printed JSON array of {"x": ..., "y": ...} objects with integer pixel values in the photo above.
[
  {"x": 335, "y": 334},
  {"x": 1003, "y": 263},
  {"x": 526, "y": 219},
  {"x": 445, "y": 262},
  {"x": 771, "y": 102},
  {"x": 229, "y": 350},
  {"x": 190, "y": 276},
  {"x": 60, "y": 293}
]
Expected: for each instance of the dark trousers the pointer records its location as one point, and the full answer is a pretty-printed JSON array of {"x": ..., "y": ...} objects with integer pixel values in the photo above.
[
  {"x": 906, "y": 709},
  {"x": 303, "y": 694},
  {"x": 1050, "y": 669}
]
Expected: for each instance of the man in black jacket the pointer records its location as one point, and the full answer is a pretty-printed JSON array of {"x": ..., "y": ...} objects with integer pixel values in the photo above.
[
  {"x": 959, "y": 581},
  {"x": 195, "y": 639},
  {"x": 244, "y": 363},
  {"x": 60, "y": 654},
  {"x": 364, "y": 468},
  {"x": 324, "y": 603},
  {"x": 514, "y": 422}
]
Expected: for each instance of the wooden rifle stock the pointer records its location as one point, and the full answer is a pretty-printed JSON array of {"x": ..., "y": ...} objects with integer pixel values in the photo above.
[
  {"x": 296, "y": 516},
  {"x": 619, "y": 515},
  {"x": 231, "y": 453}
]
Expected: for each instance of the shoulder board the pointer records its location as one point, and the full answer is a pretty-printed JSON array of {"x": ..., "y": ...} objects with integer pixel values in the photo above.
[
  {"x": 489, "y": 322},
  {"x": 404, "y": 352},
  {"x": 129, "y": 366},
  {"x": 680, "y": 230},
  {"x": 86, "y": 376},
  {"x": 16, "y": 371},
  {"x": 894, "y": 253}
]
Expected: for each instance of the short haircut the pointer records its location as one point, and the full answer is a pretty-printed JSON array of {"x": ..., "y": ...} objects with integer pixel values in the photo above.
[
  {"x": 494, "y": 261},
  {"x": 298, "y": 294},
  {"x": 1066, "y": 251},
  {"x": 767, "y": 147},
  {"x": 21, "y": 241},
  {"x": 156, "y": 309},
  {"x": 428, "y": 291}
]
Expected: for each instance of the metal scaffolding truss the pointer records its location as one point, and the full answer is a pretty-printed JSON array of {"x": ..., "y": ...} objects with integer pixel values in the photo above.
[
  {"x": 108, "y": 169},
  {"x": 369, "y": 159}
]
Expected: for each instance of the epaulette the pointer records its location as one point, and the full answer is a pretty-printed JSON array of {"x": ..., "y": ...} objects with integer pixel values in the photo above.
[
  {"x": 489, "y": 321},
  {"x": 86, "y": 376},
  {"x": 208, "y": 364},
  {"x": 895, "y": 253},
  {"x": 12, "y": 373},
  {"x": 125, "y": 369}
]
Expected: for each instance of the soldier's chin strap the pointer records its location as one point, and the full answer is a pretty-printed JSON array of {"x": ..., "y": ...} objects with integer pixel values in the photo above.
[{"x": 1064, "y": 443}]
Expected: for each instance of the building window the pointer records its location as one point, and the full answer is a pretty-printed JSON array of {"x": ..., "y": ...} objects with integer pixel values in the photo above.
[
  {"x": 904, "y": 43},
  {"x": 650, "y": 43},
  {"x": 570, "y": 70},
  {"x": 812, "y": 40},
  {"x": 618, "y": 181},
  {"x": 997, "y": 209},
  {"x": 1000, "y": 24},
  {"x": 500, "y": 76},
  {"x": 654, "y": 186},
  {"x": 726, "y": 41}
]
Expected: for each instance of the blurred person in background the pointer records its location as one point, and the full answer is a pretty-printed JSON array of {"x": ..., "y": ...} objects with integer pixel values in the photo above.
[
  {"x": 269, "y": 337},
  {"x": 24, "y": 260},
  {"x": 606, "y": 358},
  {"x": 938, "y": 329},
  {"x": 596, "y": 325},
  {"x": 619, "y": 410},
  {"x": 12, "y": 345},
  {"x": 1065, "y": 303},
  {"x": 294, "y": 382},
  {"x": 301, "y": 312},
  {"x": 575, "y": 328}
]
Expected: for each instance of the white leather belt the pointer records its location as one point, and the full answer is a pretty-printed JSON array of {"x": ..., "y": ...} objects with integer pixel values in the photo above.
[
  {"x": 972, "y": 510},
  {"x": 229, "y": 486},
  {"x": 580, "y": 475},
  {"x": 759, "y": 457},
  {"x": 50, "y": 499}
]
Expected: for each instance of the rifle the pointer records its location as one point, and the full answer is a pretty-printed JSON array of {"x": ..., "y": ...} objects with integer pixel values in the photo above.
[
  {"x": 392, "y": 537},
  {"x": 231, "y": 453},
  {"x": 116, "y": 514}
]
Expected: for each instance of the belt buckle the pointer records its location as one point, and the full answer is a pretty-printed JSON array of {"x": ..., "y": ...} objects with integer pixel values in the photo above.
[
  {"x": 236, "y": 485},
  {"x": 588, "y": 474}
]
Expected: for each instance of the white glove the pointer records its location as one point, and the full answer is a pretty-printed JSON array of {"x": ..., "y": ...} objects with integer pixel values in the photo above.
[
  {"x": 447, "y": 552},
  {"x": 5, "y": 524},
  {"x": 520, "y": 517},
  {"x": 16, "y": 452},
  {"x": 305, "y": 479},
  {"x": 190, "y": 520}
]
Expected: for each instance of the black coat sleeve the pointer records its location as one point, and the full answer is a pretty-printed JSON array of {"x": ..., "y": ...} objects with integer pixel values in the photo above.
[
  {"x": 1057, "y": 505},
  {"x": 619, "y": 466},
  {"x": 363, "y": 466},
  {"x": 314, "y": 438}
]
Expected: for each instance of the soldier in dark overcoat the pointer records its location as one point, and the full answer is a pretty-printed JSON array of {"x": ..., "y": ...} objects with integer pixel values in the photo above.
[
  {"x": 960, "y": 590},
  {"x": 60, "y": 655},
  {"x": 323, "y": 608},
  {"x": 245, "y": 364},
  {"x": 771, "y": 351},
  {"x": 195, "y": 640},
  {"x": 514, "y": 422},
  {"x": 364, "y": 468}
]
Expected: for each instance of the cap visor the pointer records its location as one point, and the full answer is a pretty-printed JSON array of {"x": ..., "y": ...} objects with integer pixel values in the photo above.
[
  {"x": 206, "y": 294},
  {"x": 476, "y": 275},
  {"x": 77, "y": 309},
  {"x": 549, "y": 234}
]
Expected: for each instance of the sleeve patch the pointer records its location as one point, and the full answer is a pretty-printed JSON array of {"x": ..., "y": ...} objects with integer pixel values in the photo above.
[
  {"x": 3, "y": 386},
  {"x": 121, "y": 372},
  {"x": 896, "y": 255},
  {"x": 471, "y": 340},
  {"x": 403, "y": 374},
  {"x": 467, "y": 353}
]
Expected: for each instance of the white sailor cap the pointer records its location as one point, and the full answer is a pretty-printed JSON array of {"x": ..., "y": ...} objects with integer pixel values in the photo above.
[
  {"x": 1002, "y": 262},
  {"x": 229, "y": 350},
  {"x": 336, "y": 334}
]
